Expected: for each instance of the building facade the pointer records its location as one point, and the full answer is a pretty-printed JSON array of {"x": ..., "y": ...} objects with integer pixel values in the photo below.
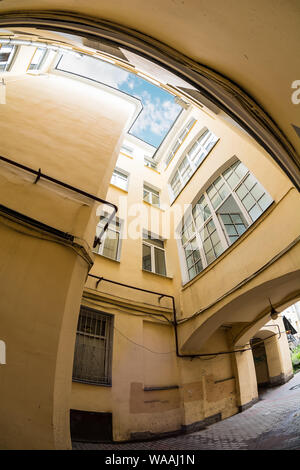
[
  {"x": 163, "y": 319},
  {"x": 190, "y": 212}
]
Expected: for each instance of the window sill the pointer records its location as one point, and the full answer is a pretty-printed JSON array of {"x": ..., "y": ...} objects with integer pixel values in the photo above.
[
  {"x": 153, "y": 169},
  {"x": 156, "y": 274},
  {"x": 107, "y": 257},
  {"x": 152, "y": 205},
  {"x": 126, "y": 155}
]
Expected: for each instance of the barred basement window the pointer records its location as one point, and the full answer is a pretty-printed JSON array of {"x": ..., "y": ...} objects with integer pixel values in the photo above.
[{"x": 93, "y": 348}]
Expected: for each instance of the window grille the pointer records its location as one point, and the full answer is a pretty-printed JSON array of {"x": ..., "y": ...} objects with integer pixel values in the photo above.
[{"x": 93, "y": 348}]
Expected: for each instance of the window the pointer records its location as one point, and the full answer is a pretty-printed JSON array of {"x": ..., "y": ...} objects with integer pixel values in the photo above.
[
  {"x": 93, "y": 348},
  {"x": 180, "y": 139},
  {"x": 38, "y": 58},
  {"x": 192, "y": 254},
  {"x": 7, "y": 54},
  {"x": 149, "y": 162},
  {"x": 153, "y": 254},
  {"x": 232, "y": 220},
  {"x": 111, "y": 239},
  {"x": 120, "y": 178},
  {"x": 222, "y": 214},
  {"x": 127, "y": 150},
  {"x": 151, "y": 195},
  {"x": 190, "y": 163}
]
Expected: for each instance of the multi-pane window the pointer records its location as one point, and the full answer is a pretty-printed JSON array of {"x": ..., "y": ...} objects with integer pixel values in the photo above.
[
  {"x": 192, "y": 160},
  {"x": 153, "y": 254},
  {"x": 211, "y": 242},
  {"x": 38, "y": 58},
  {"x": 234, "y": 225},
  {"x": 120, "y": 178},
  {"x": 253, "y": 197},
  {"x": 151, "y": 195},
  {"x": 232, "y": 219},
  {"x": 93, "y": 348},
  {"x": 201, "y": 147},
  {"x": 110, "y": 242},
  {"x": 179, "y": 140},
  {"x": 222, "y": 214},
  {"x": 193, "y": 258},
  {"x": 7, "y": 53}
]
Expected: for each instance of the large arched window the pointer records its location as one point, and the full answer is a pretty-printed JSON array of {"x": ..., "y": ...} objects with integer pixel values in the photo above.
[
  {"x": 221, "y": 215},
  {"x": 191, "y": 161}
]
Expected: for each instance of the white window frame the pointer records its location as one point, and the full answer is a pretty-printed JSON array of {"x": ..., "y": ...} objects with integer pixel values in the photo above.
[
  {"x": 127, "y": 150},
  {"x": 122, "y": 173},
  {"x": 8, "y": 63},
  {"x": 36, "y": 67},
  {"x": 149, "y": 162},
  {"x": 205, "y": 135},
  {"x": 147, "y": 187},
  {"x": 152, "y": 246},
  {"x": 179, "y": 140},
  {"x": 112, "y": 226}
]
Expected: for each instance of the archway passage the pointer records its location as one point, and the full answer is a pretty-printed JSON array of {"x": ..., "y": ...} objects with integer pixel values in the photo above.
[
  {"x": 260, "y": 363},
  {"x": 270, "y": 355}
]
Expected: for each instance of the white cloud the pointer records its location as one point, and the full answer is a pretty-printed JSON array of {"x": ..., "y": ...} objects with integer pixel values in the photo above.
[{"x": 156, "y": 116}]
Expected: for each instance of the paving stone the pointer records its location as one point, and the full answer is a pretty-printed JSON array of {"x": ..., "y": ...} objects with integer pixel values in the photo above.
[{"x": 272, "y": 423}]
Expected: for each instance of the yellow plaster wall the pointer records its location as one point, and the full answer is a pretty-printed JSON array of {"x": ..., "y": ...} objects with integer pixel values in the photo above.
[
  {"x": 216, "y": 387},
  {"x": 42, "y": 277}
]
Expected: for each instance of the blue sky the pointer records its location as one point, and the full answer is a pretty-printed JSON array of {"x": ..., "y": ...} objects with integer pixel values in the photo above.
[{"x": 159, "y": 109}]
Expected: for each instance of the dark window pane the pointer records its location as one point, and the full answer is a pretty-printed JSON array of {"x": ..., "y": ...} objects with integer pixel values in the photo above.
[{"x": 146, "y": 257}]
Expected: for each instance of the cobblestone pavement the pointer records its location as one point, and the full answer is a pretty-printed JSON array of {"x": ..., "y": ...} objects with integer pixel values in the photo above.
[{"x": 271, "y": 424}]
